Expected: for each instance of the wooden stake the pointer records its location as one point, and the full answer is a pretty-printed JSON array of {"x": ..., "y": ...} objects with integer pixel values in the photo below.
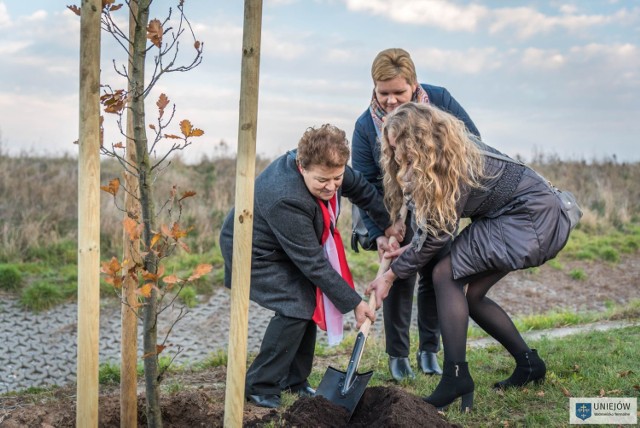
[
  {"x": 89, "y": 216},
  {"x": 243, "y": 224}
]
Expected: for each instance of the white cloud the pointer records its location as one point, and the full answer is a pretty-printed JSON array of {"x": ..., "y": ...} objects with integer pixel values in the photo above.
[
  {"x": 541, "y": 59},
  {"x": 437, "y": 13},
  {"x": 37, "y": 16},
  {"x": 12, "y": 47},
  {"x": 525, "y": 22},
  {"x": 469, "y": 61},
  {"x": 5, "y": 19},
  {"x": 282, "y": 47},
  {"x": 220, "y": 37}
]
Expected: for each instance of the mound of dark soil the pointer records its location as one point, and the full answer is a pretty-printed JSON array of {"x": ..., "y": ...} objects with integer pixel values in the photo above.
[{"x": 379, "y": 407}]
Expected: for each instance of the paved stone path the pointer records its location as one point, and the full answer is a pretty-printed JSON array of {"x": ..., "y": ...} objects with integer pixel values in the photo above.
[{"x": 39, "y": 349}]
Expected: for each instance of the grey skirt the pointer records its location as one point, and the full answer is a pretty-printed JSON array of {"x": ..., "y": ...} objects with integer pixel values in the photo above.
[{"x": 526, "y": 232}]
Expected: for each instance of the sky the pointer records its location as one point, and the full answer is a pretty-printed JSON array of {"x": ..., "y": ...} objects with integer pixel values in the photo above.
[{"x": 557, "y": 78}]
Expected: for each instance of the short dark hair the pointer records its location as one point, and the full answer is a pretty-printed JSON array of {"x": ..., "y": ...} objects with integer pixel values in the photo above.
[{"x": 326, "y": 146}]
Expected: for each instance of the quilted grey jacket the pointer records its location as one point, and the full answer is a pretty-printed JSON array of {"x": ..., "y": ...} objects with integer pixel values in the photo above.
[{"x": 521, "y": 228}]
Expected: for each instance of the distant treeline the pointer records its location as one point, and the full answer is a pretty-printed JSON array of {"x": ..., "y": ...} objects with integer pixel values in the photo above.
[{"x": 38, "y": 198}]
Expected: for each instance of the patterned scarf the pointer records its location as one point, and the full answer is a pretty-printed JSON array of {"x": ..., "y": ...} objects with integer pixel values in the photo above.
[
  {"x": 378, "y": 113},
  {"x": 326, "y": 315}
]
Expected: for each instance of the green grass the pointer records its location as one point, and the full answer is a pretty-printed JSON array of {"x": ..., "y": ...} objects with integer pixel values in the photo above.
[
  {"x": 109, "y": 374},
  {"x": 558, "y": 319},
  {"x": 10, "y": 277},
  {"x": 578, "y": 274},
  {"x": 41, "y": 296},
  {"x": 606, "y": 247},
  {"x": 581, "y": 365}
]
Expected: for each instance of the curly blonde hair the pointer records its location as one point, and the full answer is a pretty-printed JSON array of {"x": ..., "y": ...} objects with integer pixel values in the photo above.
[{"x": 434, "y": 161}]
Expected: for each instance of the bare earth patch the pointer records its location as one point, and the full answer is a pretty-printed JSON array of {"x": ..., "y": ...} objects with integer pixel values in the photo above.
[{"x": 201, "y": 400}]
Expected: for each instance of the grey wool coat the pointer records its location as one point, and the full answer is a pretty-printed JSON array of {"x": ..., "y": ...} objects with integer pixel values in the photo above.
[
  {"x": 288, "y": 261},
  {"x": 518, "y": 221}
]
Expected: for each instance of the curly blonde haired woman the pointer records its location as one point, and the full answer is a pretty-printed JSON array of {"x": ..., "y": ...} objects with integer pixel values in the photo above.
[{"x": 444, "y": 174}]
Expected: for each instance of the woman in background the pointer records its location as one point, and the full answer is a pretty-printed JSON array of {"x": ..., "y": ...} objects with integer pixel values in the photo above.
[{"x": 395, "y": 83}]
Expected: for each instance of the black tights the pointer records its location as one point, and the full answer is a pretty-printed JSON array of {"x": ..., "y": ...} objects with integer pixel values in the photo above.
[{"x": 454, "y": 310}]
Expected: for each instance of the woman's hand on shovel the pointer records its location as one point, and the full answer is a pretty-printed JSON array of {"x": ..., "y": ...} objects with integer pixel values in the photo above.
[
  {"x": 362, "y": 312},
  {"x": 381, "y": 286}
]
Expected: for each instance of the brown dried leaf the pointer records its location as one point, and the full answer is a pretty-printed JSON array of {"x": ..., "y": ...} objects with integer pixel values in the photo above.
[
  {"x": 75, "y": 9},
  {"x": 160, "y": 348},
  {"x": 112, "y": 187},
  {"x": 154, "y": 32},
  {"x": 187, "y": 194},
  {"x": 164, "y": 229},
  {"x": 184, "y": 246},
  {"x": 185, "y": 127},
  {"x": 625, "y": 373},
  {"x": 171, "y": 279},
  {"x": 111, "y": 267},
  {"x": 162, "y": 103},
  {"x": 196, "y": 132},
  {"x": 145, "y": 290},
  {"x": 197, "y": 45},
  {"x": 565, "y": 392},
  {"x": 132, "y": 228},
  {"x": 115, "y": 7},
  {"x": 148, "y": 276},
  {"x": 155, "y": 238},
  {"x": 199, "y": 271},
  {"x": 602, "y": 393},
  {"x": 172, "y": 136}
]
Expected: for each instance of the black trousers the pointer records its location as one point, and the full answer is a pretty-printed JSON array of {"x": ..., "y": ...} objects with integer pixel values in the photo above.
[
  {"x": 285, "y": 358},
  {"x": 398, "y": 305}
]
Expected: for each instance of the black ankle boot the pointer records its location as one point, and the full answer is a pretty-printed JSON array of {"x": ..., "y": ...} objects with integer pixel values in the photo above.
[
  {"x": 456, "y": 382},
  {"x": 529, "y": 368},
  {"x": 428, "y": 363},
  {"x": 400, "y": 368}
]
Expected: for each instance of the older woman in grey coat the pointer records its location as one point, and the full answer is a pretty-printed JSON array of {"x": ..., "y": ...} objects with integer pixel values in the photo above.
[
  {"x": 294, "y": 196},
  {"x": 518, "y": 221}
]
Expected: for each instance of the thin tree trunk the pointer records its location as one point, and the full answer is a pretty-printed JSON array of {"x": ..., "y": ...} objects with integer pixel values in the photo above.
[
  {"x": 150, "y": 332},
  {"x": 129, "y": 320}
]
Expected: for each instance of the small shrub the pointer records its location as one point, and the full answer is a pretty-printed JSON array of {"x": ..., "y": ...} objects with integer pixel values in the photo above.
[
  {"x": 10, "y": 278},
  {"x": 585, "y": 254},
  {"x": 609, "y": 254},
  {"x": 555, "y": 264},
  {"x": 41, "y": 296},
  {"x": 188, "y": 296},
  {"x": 578, "y": 274},
  {"x": 109, "y": 374},
  {"x": 215, "y": 359}
]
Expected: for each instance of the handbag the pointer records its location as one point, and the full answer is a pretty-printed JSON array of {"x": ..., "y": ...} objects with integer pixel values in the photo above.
[
  {"x": 570, "y": 206},
  {"x": 360, "y": 234}
]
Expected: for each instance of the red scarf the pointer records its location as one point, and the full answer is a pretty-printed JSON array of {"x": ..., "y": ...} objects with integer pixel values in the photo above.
[{"x": 331, "y": 229}]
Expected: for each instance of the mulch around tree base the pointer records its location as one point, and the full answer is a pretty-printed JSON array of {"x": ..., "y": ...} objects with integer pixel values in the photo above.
[{"x": 379, "y": 407}]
